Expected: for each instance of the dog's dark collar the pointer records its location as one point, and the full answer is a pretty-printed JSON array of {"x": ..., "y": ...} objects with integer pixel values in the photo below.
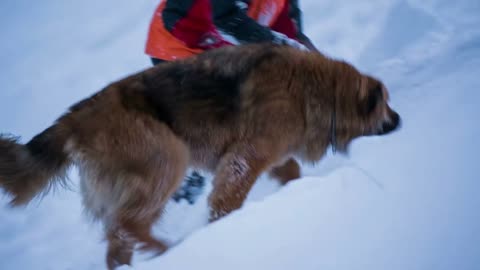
[{"x": 333, "y": 127}]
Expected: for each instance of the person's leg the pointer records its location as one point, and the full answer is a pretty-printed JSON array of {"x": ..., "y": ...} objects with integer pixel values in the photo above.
[
  {"x": 193, "y": 184},
  {"x": 156, "y": 61},
  {"x": 192, "y": 187}
]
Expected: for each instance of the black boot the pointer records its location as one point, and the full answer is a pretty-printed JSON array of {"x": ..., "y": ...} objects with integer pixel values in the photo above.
[{"x": 191, "y": 188}]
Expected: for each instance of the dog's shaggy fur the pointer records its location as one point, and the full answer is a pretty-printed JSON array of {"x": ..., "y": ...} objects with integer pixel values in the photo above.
[{"x": 236, "y": 111}]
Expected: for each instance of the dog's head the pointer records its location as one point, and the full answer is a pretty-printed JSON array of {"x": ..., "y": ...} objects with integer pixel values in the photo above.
[
  {"x": 361, "y": 107},
  {"x": 374, "y": 108}
]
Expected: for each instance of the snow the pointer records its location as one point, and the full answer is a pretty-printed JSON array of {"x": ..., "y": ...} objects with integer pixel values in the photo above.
[{"x": 405, "y": 201}]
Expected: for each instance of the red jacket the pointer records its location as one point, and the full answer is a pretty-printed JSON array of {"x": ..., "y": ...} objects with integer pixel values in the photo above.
[{"x": 182, "y": 28}]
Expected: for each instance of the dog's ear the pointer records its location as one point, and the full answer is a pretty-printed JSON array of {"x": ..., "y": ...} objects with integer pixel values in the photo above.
[
  {"x": 375, "y": 96},
  {"x": 372, "y": 98}
]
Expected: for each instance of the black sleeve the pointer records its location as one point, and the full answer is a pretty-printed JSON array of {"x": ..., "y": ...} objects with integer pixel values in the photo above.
[
  {"x": 231, "y": 19},
  {"x": 296, "y": 14},
  {"x": 174, "y": 11}
]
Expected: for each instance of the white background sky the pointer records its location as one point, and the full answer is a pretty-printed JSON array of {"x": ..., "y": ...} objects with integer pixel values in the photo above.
[{"x": 406, "y": 201}]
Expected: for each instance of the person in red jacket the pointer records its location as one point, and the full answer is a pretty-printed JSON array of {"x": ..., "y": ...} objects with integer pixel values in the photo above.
[{"x": 183, "y": 28}]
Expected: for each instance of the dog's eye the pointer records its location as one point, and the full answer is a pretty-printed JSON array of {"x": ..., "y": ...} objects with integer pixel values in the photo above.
[{"x": 374, "y": 97}]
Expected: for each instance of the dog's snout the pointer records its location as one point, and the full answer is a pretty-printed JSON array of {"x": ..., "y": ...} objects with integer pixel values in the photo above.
[{"x": 390, "y": 125}]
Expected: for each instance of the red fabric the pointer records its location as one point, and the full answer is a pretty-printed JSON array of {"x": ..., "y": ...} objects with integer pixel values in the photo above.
[
  {"x": 197, "y": 30},
  {"x": 161, "y": 44},
  {"x": 284, "y": 24}
]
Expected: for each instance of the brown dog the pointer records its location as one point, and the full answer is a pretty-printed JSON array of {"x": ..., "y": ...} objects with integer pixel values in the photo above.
[{"x": 236, "y": 111}]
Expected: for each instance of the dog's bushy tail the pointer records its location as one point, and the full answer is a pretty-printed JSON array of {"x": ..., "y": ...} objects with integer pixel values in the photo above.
[{"x": 27, "y": 170}]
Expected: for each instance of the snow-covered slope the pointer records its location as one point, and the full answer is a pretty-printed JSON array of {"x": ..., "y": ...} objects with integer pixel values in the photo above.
[{"x": 405, "y": 201}]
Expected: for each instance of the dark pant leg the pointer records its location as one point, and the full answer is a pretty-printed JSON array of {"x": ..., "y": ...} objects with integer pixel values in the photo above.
[
  {"x": 156, "y": 61},
  {"x": 193, "y": 185}
]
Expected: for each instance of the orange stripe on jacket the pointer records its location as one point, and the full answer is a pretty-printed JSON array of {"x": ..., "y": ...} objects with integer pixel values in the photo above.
[
  {"x": 162, "y": 44},
  {"x": 265, "y": 12}
]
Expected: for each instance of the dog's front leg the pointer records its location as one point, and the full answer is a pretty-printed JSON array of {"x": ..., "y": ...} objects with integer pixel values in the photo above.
[
  {"x": 288, "y": 171},
  {"x": 235, "y": 176}
]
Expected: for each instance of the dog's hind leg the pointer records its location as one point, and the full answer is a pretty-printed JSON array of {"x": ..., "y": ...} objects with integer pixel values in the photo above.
[
  {"x": 128, "y": 233},
  {"x": 122, "y": 241},
  {"x": 147, "y": 185},
  {"x": 140, "y": 200},
  {"x": 120, "y": 248},
  {"x": 141, "y": 230},
  {"x": 127, "y": 180}
]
